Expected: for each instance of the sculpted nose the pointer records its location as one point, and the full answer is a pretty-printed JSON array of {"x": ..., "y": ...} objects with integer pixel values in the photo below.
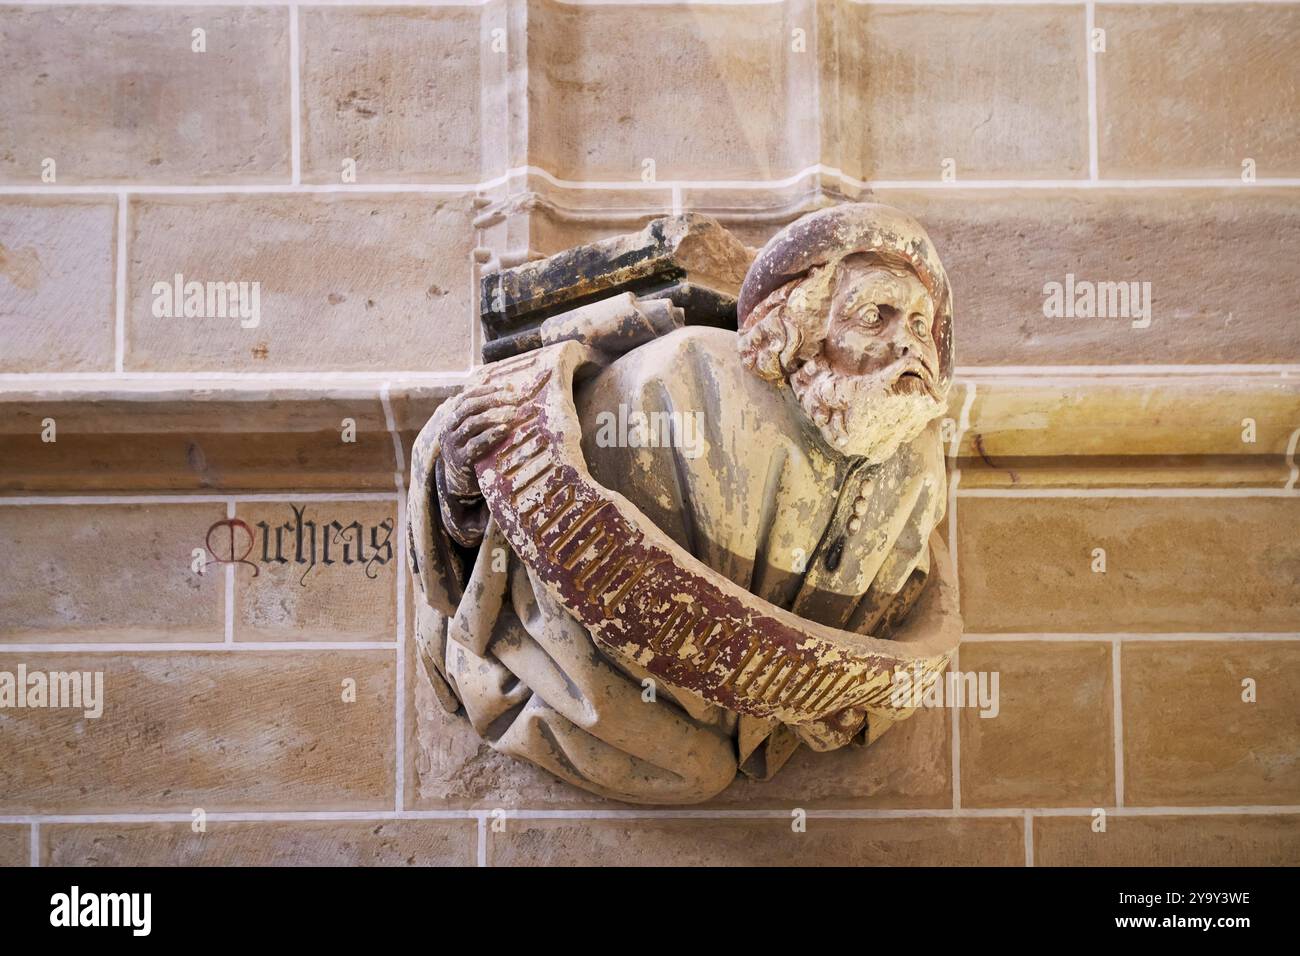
[{"x": 905, "y": 341}]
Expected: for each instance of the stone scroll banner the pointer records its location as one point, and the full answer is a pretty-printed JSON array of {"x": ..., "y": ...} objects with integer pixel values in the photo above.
[{"x": 646, "y": 599}]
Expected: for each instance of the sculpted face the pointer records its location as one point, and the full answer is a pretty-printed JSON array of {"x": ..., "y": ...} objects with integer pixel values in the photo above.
[
  {"x": 880, "y": 324},
  {"x": 873, "y": 385}
]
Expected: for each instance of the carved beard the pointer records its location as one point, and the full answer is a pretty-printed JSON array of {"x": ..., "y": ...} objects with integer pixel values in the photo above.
[{"x": 863, "y": 415}]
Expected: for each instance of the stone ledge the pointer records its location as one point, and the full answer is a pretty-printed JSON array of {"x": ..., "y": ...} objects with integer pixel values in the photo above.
[
  {"x": 1074, "y": 429},
  {"x": 1214, "y": 429},
  {"x": 186, "y": 433}
]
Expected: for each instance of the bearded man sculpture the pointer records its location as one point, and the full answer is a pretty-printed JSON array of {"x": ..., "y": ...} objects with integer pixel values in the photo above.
[{"x": 645, "y": 615}]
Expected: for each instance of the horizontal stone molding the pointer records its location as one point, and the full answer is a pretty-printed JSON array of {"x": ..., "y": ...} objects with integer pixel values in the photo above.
[
  {"x": 232, "y": 435},
  {"x": 1026, "y": 430}
]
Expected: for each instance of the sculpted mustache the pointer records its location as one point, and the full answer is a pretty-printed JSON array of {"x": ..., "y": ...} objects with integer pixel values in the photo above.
[
  {"x": 916, "y": 365},
  {"x": 831, "y": 399}
]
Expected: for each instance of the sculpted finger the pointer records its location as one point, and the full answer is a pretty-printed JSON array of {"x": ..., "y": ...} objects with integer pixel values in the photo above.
[
  {"x": 510, "y": 395},
  {"x": 467, "y": 405},
  {"x": 479, "y": 446},
  {"x": 425, "y": 450},
  {"x": 473, "y": 426}
]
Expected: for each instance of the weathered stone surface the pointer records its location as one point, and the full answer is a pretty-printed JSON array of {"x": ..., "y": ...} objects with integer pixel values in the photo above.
[
  {"x": 117, "y": 94},
  {"x": 646, "y": 842},
  {"x": 757, "y": 590},
  {"x": 1201, "y": 840},
  {"x": 1167, "y": 472},
  {"x": 225, "y": 437},
  {"x": 533, "y": 218},
  {"x": 703, "y": 93},
  {"x": 288, "y": 843},
  {"x": 1194, "y": 89},
  {"x": 1130, "y": 431},
  {"x": 712, "y": 95},
  {"x": 921, "y": 85},
  {"x": 667, "y": 251},
  {"x": 754, "y": 212},
  {"x": 108, "y": 573},
  {"x": 342, "y": 277},
  {"x": 1212, "y": 257},
  {"x": 621, "y": 321},
  {"x": 1026, "y": 564},
  {"x": 56, "y": 283},
  {"x": 413, "y": 403},
  {"x": 449, "y": 766},
  {"x": 15, "y": 843},
  {"x": 1189, "y": 736},
  {"x": 214, "y": 730},
  {"x": 908, "y": 768},
  {"x": 549, "y": 233},
  {"x": 1133, "y": 417},
  {"x": 338, "y": 583},
  {"x": 1050, "y": 743},
  {"x": 395, "y": 89}
]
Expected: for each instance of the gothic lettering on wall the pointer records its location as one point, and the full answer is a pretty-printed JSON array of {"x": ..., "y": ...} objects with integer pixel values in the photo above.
[{"x": 305, "y": 541}]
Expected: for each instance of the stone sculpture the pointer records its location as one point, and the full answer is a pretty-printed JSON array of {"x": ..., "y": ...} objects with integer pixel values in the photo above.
[{"x": 687, "y": 521}]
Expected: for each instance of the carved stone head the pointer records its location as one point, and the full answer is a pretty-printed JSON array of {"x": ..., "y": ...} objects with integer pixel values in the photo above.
[{"x": 851, "y": 309}]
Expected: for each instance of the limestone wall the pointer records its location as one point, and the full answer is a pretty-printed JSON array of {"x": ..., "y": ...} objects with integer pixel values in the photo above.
[{"x": 366, "y": 164}]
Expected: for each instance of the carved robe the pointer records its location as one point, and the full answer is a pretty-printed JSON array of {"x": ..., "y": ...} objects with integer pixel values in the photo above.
[{"x": 745, "y": 484}]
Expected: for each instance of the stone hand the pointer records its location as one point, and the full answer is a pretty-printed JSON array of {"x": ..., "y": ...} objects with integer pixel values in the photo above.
[{"x": 476, "y": 419}]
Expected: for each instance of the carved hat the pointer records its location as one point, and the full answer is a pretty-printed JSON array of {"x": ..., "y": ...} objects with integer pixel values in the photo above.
[{"x": 831, "y": 234}]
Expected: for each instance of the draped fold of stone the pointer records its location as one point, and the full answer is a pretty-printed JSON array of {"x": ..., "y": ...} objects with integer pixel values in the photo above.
[{"x": 677, "y": 579}]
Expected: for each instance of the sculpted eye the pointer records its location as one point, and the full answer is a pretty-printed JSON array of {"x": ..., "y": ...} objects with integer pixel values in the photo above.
[
  {"x": 919, "y": 326},
  {"x": 869, "y": 314}
]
